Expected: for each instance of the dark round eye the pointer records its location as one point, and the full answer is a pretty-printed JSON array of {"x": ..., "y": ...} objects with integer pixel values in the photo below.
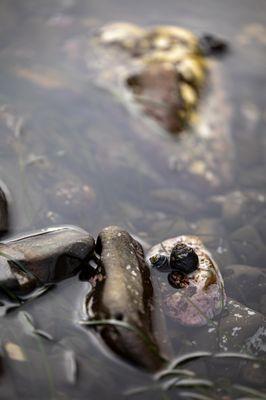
[
  {"x": 177, "y": 280},
  {"x": 160, "y": 262},
  {"x": 183, "y": 259}
]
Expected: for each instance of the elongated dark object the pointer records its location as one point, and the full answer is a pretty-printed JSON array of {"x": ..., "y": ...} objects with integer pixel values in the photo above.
[
  {"x": 125, "y": 294},
  {"x": 3, "y": 209}
]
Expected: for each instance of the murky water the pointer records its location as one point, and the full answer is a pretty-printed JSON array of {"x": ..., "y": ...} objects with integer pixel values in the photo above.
[{"x": 71, "y": 153}]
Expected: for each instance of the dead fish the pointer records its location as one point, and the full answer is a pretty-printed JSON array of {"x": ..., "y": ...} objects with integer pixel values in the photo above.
[{"x": 125, "y": 296}]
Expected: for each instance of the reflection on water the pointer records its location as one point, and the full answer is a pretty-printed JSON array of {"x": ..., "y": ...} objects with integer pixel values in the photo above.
[{"x": 71, "y": 153}]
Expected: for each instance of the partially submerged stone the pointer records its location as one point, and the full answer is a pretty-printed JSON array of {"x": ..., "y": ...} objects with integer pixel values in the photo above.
[
  {"x": 43, "y": 257},
  {"x": 125, "y": 294},
  {"x": 3, "y": 209},
  {"x": 200, "y": 295},
  {"x": 246, "y": 284},
  {"x": 242, "y": 328}
]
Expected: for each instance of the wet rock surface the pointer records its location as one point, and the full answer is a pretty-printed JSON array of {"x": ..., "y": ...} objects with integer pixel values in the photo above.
[
  {"x": 43, "y": 257},
  {"x": 124, "y": 293},
  {"x": 242, "y": 329},
  {"x": 200, "y": 295},
  {"x": 3, "y": 210},
  {"x": 246, "y": 284}
]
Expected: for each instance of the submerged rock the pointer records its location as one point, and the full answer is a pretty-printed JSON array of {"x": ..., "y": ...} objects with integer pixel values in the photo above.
[
  {"x": 3, "y": 210},
  {"x": 161, "y": 72},
  {"x": 246, "y": 284},
  {"x": 238, "y": 207},
  {"x": 42, "y": 257},
  {"x": 248, "y": 245},
  {"x": 125, "y": 294},
  {"x": 164, "y": 68},
  {"x": 199, "y": 293},
  {"x": 242, "y": 328}
]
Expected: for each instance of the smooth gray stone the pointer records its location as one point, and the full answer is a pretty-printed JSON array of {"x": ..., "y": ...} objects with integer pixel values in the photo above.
[
  {"x": 42, "y": 257},
  {"x": 125, "y": 294}
]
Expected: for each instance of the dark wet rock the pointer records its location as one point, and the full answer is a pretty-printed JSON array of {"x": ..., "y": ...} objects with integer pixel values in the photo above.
[
  {"x": 245, "y": 284},
  {"x": 3, "y": 210},
  {"x": 237, "y": 329},
  {"x": 248, "y": 246},
  {"x": 43, "y": 257},
  {"x": 242, "y": 328},
  {"x": 125, "y": 294},
  {"x": 211, "y": 45}
]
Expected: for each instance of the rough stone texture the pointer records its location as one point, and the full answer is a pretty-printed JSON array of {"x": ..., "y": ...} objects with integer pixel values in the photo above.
[
  {"x": 125, "y": 293},
  {"x": 237, "y": 329},
  {"x": 203, "y": 296},
  {"x": 42, "y": 257},
  {"x": 242, "y": 329}
]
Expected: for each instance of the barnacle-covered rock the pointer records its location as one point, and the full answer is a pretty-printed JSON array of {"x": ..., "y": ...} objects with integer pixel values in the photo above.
[
  {"x": 125, "y": 294},
  {"x": 46, "y": 256},
  {"x": 199, "y": 295}
]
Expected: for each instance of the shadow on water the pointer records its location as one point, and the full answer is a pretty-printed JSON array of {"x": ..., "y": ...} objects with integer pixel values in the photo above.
[{"x": 70, "y": 153}]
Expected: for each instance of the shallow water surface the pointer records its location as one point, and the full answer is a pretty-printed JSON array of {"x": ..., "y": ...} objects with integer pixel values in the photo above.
[{"x": 71, "y": 153}]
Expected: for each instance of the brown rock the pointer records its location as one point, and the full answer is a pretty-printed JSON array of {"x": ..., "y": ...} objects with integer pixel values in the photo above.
[{"x": 43, "y": 257}]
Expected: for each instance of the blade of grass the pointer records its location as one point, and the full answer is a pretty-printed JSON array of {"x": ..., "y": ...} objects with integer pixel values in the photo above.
[
  {"x": 194, "y": 382},
  {"x": 251, "y": 391},
  {"x": 195, "y": 396},
  {"x": 174, "y": 372},
  {"x": 184, "y": 358}
]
